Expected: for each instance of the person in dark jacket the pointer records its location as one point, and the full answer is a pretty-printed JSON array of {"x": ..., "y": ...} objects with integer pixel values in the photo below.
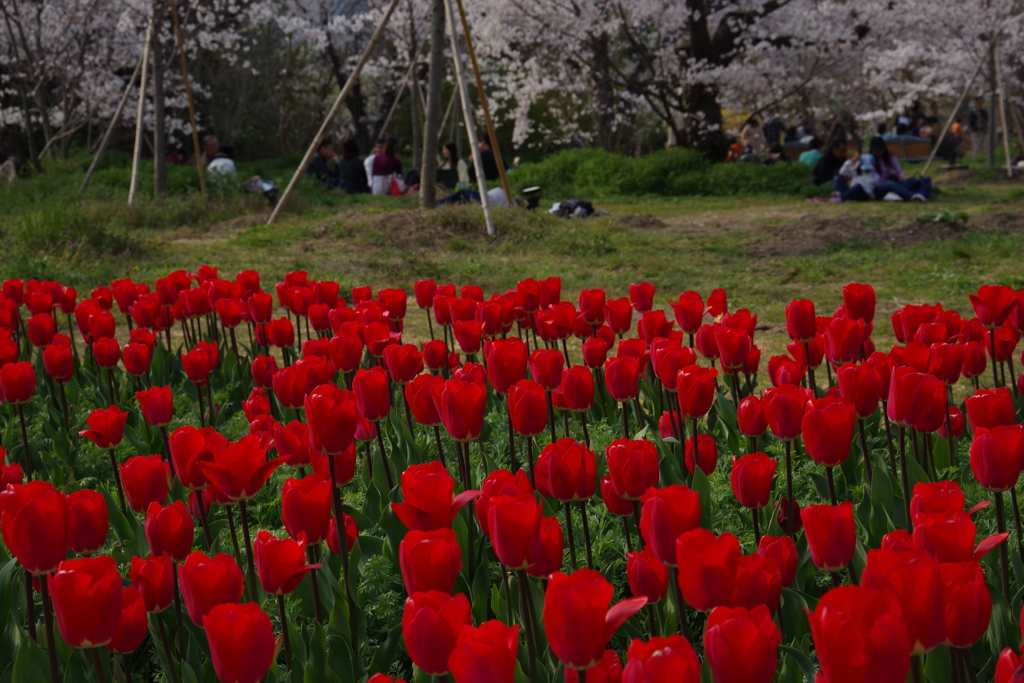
[
  {"x": 351, "y": 169},
  {"x": 829, "y": 164},
  {"x": 487, "y": 160},
  {"x": 324, "y": 164}
]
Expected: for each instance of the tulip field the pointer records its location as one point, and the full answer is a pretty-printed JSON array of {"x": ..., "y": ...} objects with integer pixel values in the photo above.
[{"x": 215, "y": 477}]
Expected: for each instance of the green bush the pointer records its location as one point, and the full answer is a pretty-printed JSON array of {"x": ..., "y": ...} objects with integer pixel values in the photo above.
[{"x": 594, "y": 173}]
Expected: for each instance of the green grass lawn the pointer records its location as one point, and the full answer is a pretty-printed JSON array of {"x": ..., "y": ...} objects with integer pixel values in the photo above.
[{"x": 764, "y": 249}]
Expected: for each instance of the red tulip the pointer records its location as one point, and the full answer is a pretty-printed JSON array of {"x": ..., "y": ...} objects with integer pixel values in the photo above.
[
  {"x": 157, "y": 405},
  {"x": 58, "y": 360},
  {"x": 332, "y": 417},
  {"x": 742, "y": 645},
  {"x": 40, "y": 329},
  {"x": 1006, "y": 342},
  {"x": 280, "y": 563},
  {"x": 485, "y": 654},
  {"x": 993, "y": 304},
  {"x": 689, "y": 310},
  {"x": 844, "y": 340},
  {"x": 975, "y": 359},
  {"x": 784, "y": 409},
  {"x": 758, "y": 581},
  {"x": 751, "y": 417},
  {"x": 997, "y": 456},
  {"x": 431, "y": 624},
  {"x": 913, "y": 396},
  {"x": 608, "y": 670},
  {"x": 256, "y": 405},
  {"x": 595, "y": 352},
  {"x": 499, "y": 483},
  {"x": 9, "y": 474},
  {"x": 506, "y": 363},
  {"x": 653, "y": 324},
  {"x": 783, "y": 550},
  {"x": 859, "y": 635},
  {"x": 666, "y": 513},
  {"x": 751, "y": 479},
  {"x": 373, "y": 393},
  {"x": 1009, "y": 668},
  {"x": 546, "y": 366},
  {"x": 552, "y": 549},
  {"x": 207, "y": 582},
  {"x": 799, "y": 351},
  {"x": 106, "y": 427},
  {"x": 198, "y": 365},
  {"x": 827, "y": 428},
  {"x": 648, "y": 576},
  {"x": 632, "y": 466},
  {"x": 404, "y": 362},
  {"x": 18, "y": 382},
  {"x": 859, "y": 301},
  {"x": 861, "y": 385},
  {"x": 733, "y": 346},
  {"x": 622, "y": 377},
  {"x": 263, "y": 369},
  {"x": 240, "y": 468},
  {"x": 914, "y": 578},
  {"x": 567, "y": 471},
  {"x": 662, "y": 660},
  {"x": 351, "y": 534},
  {"x": 784, "y": 513},
  {"x": 170, "y": 530},
  {"x": 34, "y": 525},
  {"x": 612, "y": 501},
  {"x": 642, "y": 296},
  {"x": 577, "y": 388},
  {"x": 154, "y": 578},
  {"x": 241, "y": 639},
  {"x": 831, "y": 535},
  {"x": 707, "y": 567},
  {"x": 514, "y": 523},
  {"x": 527, "y": 406},
  {"x": 429, "y": 561},
  {"x": 577, "y": 618},
  {"x": 947, "y": 361},
  {"x": 132, "y": 623},
  {"x": 419, "y": 394},
  {"x": 427, "y": 494},
  {"x": 306, "y": 507},
  {"x": 990, "y": 408},
  {"x": 461, "y": 406},
  {"x": 695, "y": 387},
  {"x": 707, "y": 454},
  {"x": 137, "y": 359},
  {"x": 669, "y": 360},
  {"x": 957, "y": 422},
  {"x": 424, "y": 291},
  {"x": 966, "y": 603},
  {"x": 618, "y": 313},
  {"x": 784, "y": 370},
  {"x": 146, "y": 480},
  {"x": 86, "y": 597},
  {"x": 87, "y": 521},
  {"x": 800, "y": 320},
  {"x": 591, "y": 305},
  {"x": 344, "y": 464}
]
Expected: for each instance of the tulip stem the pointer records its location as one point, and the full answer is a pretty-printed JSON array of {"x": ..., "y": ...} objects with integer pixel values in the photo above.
[
  {"x": 97, "y": 666},
  {"x": 888, "y": 437},
  {"x": 853, "y": 573},
  {"x": 369, "y": 460},
  {"x": 639, "y": 412},
  {"x": 127, "y": 667},
  {"x": 789, "y": 488},
  {"x": 684, "y": 626},
  {"x": 315, "y": 585},
  {"x": 625, "y": 420},
  {"x": 234, "y": 535},
  {"x": 915, "y": 668},
  {"x": 953, "y": 459},
  {"x": 529, "y": 460},
  {"x": 551, "y": 416},
  {"x": 440, "y": 451},
  {"x": 629, "y": 536},
  {"x": 284, "y": 632},
  {"x": 735, "y": 389},
  {"x": 906, "y": 478},
  {"x": 565, "y": 350},
  {"x": 508, "y": 598},
  {"x": 583, "y": 422},
  {"x": 117, "y": 481},
  {"x": 586, "y": 534},
  {"x": 636, "y": 518},
  {"x": 572, "y": 536},
  {"x": 754, "y": 514},
  {"x": 831, "y": 486},
  {"x": 812, "y": 385},
  {"x": 524, "y": 599},
  {"x": 696, "y": 458},
  {"x": 203, "y": 520},
  {"x": 965, "y": 657},
  {"x": 995, "y": 365},
  {"x": 430, "y": 324},
  {"x": 1016, "y": 520},
  {"x": 1004, "y": 554},
  {"x": 167, "y": 449},
  {"x": 30, "y": 606},
  {"x": 202, "y": 410},
  {"x": 408, "y": 411},
  {"x": 864, "y": 450},
  {"x": 752, "y": 444},
  {"x": 64, "y": 403},
  {"x": 179, "y": 625},
  {"x": 51, "y": 646},
  {"x": 513, "y": 463},
  {"x": 384, "y": 457},
  {"x": 250, "y": 563},
  {"x": 339, "y": 516},
  {"x": 24, "y": 442},
  {"x": 836, "y": 581},
  {"x": 653, "y": 619}
]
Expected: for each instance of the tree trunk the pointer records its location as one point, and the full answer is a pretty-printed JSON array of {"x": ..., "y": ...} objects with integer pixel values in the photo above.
[
  {"x": 159, "y": 116},
  {"x": 704, "y": 125},
  {"x": 32, "y": 153},
  {"x": 44, "y": 116},
  {"x": 428, "y": 168},
  {"x": 604, "y": 93},
  {"x": 414, "y": 90}
]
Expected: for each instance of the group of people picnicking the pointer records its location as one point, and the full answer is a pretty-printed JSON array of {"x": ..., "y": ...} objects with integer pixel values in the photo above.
[{"x": 382, "y": 173}]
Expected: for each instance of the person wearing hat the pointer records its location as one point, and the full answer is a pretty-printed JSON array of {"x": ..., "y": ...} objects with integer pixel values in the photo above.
[{"x": 857, "y": 180}]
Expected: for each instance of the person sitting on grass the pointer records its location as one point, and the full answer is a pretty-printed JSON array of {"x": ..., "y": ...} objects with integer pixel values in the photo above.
[
  {"x": 857, "y": 180},
  {"x": 224, "y": 164},
  {"x": 812, "y": 155},
  {"x": 385, "y": 165},
  {"x": 351, "y": 171},
  {"x": 895, "y": 185},
  {"x": 827, "y": 168},
  {"x": 324, "y": 164}
]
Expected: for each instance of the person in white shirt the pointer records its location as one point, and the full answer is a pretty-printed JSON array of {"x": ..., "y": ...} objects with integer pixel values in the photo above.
[
  {"x": 224, "y": 164},
  {"x": 378, "y": 147}
]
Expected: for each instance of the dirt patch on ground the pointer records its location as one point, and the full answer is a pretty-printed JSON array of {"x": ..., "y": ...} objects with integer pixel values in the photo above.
[
  {"x": 406, "y": 229},
  {"x": 645, "y": 220}
]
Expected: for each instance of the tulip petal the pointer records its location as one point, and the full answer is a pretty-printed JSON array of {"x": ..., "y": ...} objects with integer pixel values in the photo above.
[
  {"x": 464, "y": 498},
  {"x": 980, "y": 506},
  {"x": 989, "y": 543},
  {"x": 619, "y": 612}
]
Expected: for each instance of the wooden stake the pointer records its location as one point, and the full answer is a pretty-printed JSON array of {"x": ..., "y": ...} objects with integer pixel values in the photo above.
[
  {"x": 188, "y": 93},
  {"x": 134, "y": 187},
  {"x": 335, "y": 108},
  {"x": 467, "y": 111},
  {"x": 495, "y": 147},
  {"x": 105, "y": 142},
  {"x": 952, "y": 114}
]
